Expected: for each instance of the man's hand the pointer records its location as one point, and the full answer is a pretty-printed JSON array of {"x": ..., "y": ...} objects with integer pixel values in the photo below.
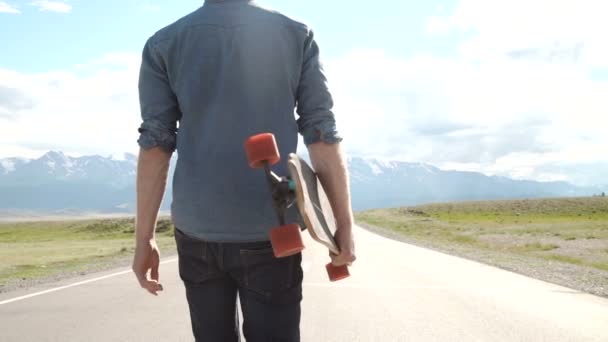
[
  {"x": 147, "y": 257},
  {"x": 346, "y": 244},
  {"x": 330, "y": 165}
]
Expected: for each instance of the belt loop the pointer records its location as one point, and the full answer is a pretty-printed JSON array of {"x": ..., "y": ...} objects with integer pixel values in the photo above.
[
  {"x": 220, "y": 256},
  {"x": 204, "y": 253}
]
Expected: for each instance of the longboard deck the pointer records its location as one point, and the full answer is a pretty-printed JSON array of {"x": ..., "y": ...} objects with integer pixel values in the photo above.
[{"x": 313, "y": 203}]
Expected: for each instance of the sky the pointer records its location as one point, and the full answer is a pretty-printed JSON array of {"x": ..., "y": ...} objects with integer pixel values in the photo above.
[{"x": 512, "y": 88}]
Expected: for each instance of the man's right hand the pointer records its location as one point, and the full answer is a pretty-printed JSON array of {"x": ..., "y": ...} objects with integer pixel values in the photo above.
[
  {"x": 346, "y": 243},
  {"x": 330, "y": 165},
  {"x": 147, "y": 257},
  {"x": 152, "y": 169}
]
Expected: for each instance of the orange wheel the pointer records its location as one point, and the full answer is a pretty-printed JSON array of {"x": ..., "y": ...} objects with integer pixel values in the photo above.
[
  {"x": 262, "y": 148},
  {"x": 337, "y": 272},
  {"x": 286, "y": 240}
]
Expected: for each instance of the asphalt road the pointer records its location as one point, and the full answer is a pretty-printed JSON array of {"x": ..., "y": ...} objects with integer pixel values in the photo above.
[{"x": 397, "y": 292}]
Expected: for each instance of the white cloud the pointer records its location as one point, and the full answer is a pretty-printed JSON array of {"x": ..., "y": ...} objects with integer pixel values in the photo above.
[
  {"x": 518, "y": 101},
  {"x": 92, "y": 109},
  {"x": 8, "y": 8},
  {"x": 493, "y": 116},
  {"x": 500, "y": 27},
  {"x": 52, "y": 6},
  {"x": 438, "y": 25},
  {"x": 514, "y": 118}
]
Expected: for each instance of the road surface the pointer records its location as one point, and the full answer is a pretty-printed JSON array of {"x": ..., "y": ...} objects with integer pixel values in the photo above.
[{"x": 397, "y": 292}]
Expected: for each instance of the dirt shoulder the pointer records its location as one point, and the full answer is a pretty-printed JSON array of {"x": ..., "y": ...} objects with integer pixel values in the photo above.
[{"x": 577, "y": 277}]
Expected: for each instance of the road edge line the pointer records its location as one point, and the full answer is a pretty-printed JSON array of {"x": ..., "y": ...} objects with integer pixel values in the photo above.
[{"x": 12, "y": 300}]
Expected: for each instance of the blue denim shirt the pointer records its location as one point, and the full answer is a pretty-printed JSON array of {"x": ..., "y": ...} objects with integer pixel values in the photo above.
[{"x": 225, "y": 72}]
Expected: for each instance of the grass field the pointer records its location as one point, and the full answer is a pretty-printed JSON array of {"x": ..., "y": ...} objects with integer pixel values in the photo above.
[
  {"x": 533, "y": 237},
  {"x": 569, "y": 231},
  {"x": 37, "y": 250}
]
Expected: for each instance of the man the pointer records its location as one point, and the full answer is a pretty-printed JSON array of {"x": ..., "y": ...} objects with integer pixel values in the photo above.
[{"x": 225, "y": 72}]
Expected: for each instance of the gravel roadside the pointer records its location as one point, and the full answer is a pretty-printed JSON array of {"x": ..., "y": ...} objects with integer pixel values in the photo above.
[
  {"x": 118, "y": 262},
  {"x": 580, "y": 278}
]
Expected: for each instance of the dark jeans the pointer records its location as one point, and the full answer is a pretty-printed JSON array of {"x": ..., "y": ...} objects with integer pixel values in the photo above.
[{"x": 269, "y": 289}]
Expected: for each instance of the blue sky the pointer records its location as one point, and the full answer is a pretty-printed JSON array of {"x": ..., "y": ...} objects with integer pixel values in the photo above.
[
  {"x": 514, "y": 88},
  {"x": 38, "y": 40}
]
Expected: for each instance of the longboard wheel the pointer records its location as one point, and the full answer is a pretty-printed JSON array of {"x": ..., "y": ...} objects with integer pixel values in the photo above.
[
  {"x": 336, "y": 273},
  {"x": 286, "y": 240},
  {"x": 262, "y": 148}
]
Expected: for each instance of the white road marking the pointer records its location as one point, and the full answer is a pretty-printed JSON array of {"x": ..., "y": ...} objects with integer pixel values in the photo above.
[{"x": 75, "y": 284}]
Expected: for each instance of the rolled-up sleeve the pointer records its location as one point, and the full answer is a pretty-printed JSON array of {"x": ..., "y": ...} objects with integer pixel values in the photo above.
[
  {"x": 159, "y": 108},
  {"x": 316, "y": 120}
]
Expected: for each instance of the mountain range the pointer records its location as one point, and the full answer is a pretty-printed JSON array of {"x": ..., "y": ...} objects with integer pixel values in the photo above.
[{"x": 59, "y": 183}]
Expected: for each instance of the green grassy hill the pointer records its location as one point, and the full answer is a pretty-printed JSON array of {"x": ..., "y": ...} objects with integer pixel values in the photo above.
[{"x": 31, "y": 251}]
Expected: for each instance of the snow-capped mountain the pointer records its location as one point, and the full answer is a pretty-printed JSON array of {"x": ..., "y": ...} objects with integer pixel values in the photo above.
[
  {"x": 56, "y": 181},
  {"x": 57, "y": 167},
  {"x": 11, "y": 164},
  {"x": 378, "y": 184}
]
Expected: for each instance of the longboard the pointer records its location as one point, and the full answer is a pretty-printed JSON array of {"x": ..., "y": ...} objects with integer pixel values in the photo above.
[
  {"x": 305, "y": 188},
  {"x": 313, "y": 203}
]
